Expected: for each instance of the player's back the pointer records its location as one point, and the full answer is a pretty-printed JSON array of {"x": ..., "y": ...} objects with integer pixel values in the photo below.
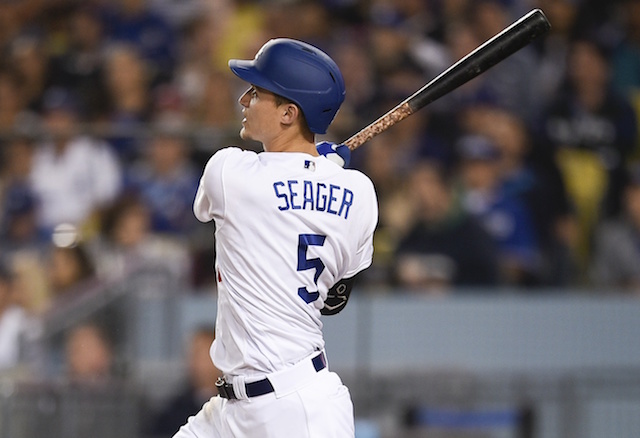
[{"x": 288, "y": 227}]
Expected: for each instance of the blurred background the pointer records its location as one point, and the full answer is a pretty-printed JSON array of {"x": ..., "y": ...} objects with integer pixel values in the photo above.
[{"x": 504, "y": 298}]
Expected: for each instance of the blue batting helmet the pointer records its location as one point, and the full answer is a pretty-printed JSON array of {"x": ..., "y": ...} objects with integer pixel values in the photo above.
[{"x": 300, "y": 72}]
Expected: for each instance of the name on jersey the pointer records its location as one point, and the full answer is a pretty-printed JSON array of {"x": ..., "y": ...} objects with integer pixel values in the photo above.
[{"x": 309, "y": 195}]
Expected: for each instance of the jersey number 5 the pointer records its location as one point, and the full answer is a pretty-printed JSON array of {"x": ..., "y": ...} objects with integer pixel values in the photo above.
[{"x": 304, "y": 240}]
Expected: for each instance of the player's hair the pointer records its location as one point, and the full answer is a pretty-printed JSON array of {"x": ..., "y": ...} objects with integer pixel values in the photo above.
[{"x": 281, "y": 100}]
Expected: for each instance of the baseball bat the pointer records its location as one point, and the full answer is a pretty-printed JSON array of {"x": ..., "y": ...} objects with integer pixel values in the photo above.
[{"x": 513, "y": 38}]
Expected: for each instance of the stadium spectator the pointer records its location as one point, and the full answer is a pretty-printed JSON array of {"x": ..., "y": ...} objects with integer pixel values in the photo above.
[
  {"x": 130, "y": 100},
  {"x": 11, "y": 99},
  {"x": 445, "y": 247},
  {"x": 616, "y": 258},
  {"x": 165, "y": 177},
  {"x": 17, "y": 152},
  {"x": 360, "y": 79},
  {"x": 19, "y": 231},
  {"x": 29, "y": 56},
  {"x": 201, "y": 375},
  {"x": 240, "y": 28},
  {"x": 23, "y": 243},
  {"x": 69, "y": 269},
  {"x": 80, "y": 68},
  {"x": 460, "y": 39},
  {"x": 196, "y": 65},
  {"x": 538, "y": 184},
  {"x": 13, "y": 323},
  {"x": 73, "y": 175},
  {"x": 553, "y": 50},
  {"x": 505, "y": 217},
  {"x": 135, "y": 23},
  {"x": 126, "y": 243},
  {"x": 505, "y": 80},
  {"x": 179, "y": 13},
  {"x": 211, "y": 109},
  {"x": 591, "y": 132},
  {"x": 89, "y": 357},
  {"x": 626, "y": 55}
]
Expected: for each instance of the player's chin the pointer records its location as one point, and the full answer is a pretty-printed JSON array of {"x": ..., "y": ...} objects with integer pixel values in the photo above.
[{"x": 246, "y": 134}]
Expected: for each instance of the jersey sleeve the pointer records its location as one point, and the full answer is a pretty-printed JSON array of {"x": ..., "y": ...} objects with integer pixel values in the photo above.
[
  {"x": 364, "y": 254},
  {"x": 209, "y": 200}
]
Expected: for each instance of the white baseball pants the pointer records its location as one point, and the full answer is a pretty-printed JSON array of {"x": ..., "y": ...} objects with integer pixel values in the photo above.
[{"x": 319, "y": 408}]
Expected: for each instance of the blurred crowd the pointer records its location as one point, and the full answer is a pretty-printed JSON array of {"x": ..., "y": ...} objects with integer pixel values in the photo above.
[
  {"x": 108, "y": 111},
  {"x": 525, "y": 177}
]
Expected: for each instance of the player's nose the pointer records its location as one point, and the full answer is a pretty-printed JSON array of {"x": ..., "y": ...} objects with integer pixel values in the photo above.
[{"x": 245, "y": 98}]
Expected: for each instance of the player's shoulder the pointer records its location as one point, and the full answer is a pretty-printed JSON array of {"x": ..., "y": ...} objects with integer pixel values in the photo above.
[
  {"x": 359, "y": 178},
  {"x": 233, "y": 152},
  {"x": 229, "y": 155}
]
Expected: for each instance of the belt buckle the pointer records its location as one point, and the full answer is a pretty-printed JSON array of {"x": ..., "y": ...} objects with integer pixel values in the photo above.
[{"x": 225, "y": 389}]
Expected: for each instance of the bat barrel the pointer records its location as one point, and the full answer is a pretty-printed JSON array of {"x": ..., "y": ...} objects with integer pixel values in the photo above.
[
  {"x": 494, "y": 50},
  {"x": 510, "y": 40}
]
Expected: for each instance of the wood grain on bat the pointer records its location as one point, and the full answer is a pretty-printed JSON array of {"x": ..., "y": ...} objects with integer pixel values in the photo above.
[{"x": 397, "y": 114}]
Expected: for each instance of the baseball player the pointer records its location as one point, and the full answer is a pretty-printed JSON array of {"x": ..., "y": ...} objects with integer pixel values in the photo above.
[{"x": 293, "y": 228}]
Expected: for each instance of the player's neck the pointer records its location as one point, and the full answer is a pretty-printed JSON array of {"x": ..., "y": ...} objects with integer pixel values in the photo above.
[{"x": 288, "y": 141}]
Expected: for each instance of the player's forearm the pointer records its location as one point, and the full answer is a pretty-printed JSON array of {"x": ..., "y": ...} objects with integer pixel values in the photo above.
[{"x": 338, "y": 296}]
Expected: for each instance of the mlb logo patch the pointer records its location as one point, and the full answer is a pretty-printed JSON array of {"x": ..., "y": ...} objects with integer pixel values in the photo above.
[{"x": 308, "y": 164}]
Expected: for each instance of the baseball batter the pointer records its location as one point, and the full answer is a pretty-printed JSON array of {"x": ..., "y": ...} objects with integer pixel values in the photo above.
[{"x": 293, "y": 228}]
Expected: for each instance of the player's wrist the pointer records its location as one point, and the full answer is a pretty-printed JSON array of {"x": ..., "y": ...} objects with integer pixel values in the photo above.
[{"x": 338, "y": 153}]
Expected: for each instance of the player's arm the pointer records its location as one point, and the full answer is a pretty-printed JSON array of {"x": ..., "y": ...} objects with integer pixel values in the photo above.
[
  {"x": 209, "y": 200},
  {"x": 338, "y": 296},
  {"x": 201, "y": 205}
]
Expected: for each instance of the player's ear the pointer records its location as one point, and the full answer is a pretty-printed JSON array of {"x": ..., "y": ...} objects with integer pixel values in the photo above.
[{"x": 290, "y": 113}]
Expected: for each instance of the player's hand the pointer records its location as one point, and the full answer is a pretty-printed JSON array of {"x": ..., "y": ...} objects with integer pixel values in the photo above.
[{"x": 338, "y": 153}]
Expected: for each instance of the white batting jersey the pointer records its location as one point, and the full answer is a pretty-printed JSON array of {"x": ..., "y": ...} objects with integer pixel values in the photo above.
[{"x": 288, "y": 227}]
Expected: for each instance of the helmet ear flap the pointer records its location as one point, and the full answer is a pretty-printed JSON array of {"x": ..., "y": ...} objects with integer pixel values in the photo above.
[{"x": 299, "y": 72}]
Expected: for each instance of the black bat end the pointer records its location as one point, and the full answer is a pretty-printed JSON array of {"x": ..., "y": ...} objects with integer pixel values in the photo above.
[{"x": 539, "y": 21}]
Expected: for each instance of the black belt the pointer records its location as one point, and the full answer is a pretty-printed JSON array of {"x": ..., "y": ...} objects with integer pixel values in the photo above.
[{"x": 262, "y": 387}]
